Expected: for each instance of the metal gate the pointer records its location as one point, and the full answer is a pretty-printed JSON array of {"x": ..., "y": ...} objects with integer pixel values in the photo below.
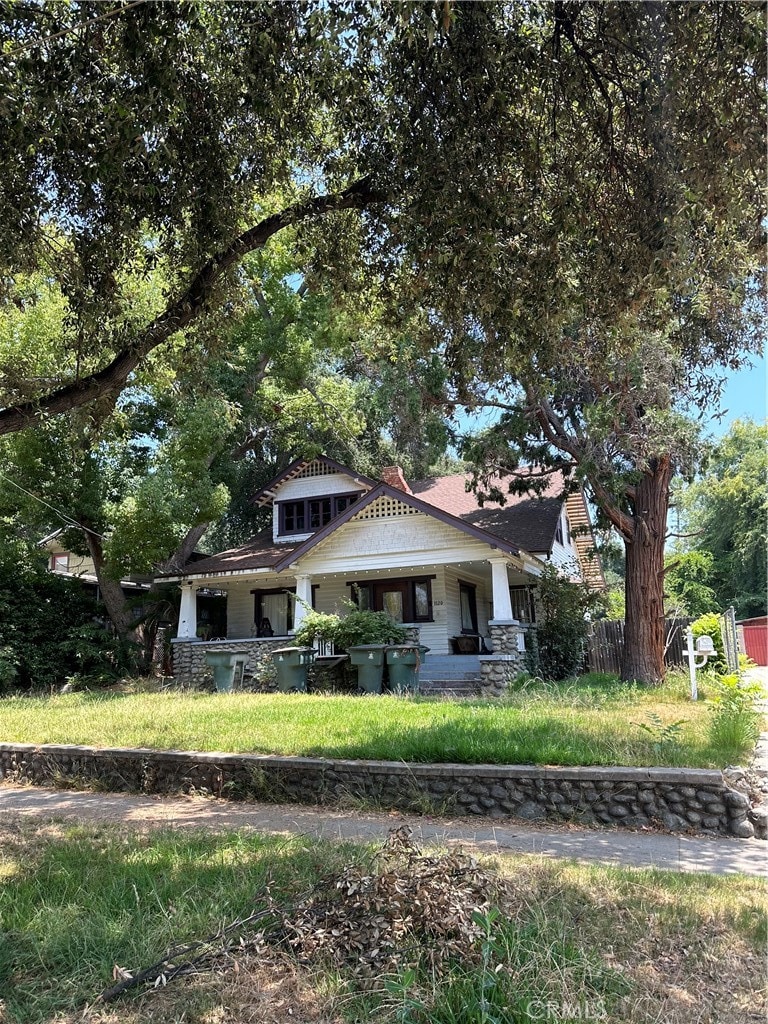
[{"x": 730, "y": 639}]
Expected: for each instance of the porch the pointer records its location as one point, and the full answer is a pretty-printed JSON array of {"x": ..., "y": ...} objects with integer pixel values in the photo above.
[{"x": 482, "y": 607}]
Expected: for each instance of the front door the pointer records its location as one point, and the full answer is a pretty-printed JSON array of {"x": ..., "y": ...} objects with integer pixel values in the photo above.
[{"x": 391, "y": 598}]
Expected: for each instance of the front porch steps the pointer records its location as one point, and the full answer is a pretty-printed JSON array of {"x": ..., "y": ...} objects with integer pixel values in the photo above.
[{"x": 450, "y": 675}]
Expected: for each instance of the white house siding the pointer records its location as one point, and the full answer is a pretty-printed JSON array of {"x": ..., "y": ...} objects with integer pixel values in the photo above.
[
  {"x": 77, "y": 565},
  {"x": 400, "y": 545},
  {"x": 239, "y": 610},
  {"x": 333, "y": 592},
  {"x": 310, "y": 487}
]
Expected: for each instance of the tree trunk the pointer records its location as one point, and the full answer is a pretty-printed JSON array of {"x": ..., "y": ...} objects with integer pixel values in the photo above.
[
  {"x": 112, "y": 594},
  {"x": 643, "y": 658}
]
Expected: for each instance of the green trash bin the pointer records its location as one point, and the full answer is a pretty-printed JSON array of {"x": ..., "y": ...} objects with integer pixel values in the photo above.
[
  {"x": 404, "y": 661},
  {"x": 228, "y": 669},
  {"x": 368, "y": 659},
  {"x": 292, "y": 664}
]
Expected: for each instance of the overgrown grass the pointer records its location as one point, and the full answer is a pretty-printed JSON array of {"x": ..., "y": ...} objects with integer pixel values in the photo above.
[
  {"x": 629, "y": 946},
  {"x": 594, "y": 721}
]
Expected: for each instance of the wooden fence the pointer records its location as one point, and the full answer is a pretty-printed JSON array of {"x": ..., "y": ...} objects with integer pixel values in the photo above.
[{"x": 605, "y": 644}]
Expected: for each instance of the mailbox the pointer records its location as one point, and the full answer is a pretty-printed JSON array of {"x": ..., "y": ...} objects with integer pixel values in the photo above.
[{"x": 704, "y": 645}]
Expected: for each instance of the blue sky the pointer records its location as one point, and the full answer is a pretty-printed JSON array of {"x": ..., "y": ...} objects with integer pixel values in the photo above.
[{"x": 744, "y": 396}]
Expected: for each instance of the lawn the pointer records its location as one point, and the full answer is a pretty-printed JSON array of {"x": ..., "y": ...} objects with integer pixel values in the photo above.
[
  {"x": 616, "y": 945},
  {"x": 594, "y": 722}
]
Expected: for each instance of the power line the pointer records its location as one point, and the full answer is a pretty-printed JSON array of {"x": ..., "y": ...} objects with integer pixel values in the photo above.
[
  {"x": 62, "y": 515},
  {"x": 74, "y": 28}
]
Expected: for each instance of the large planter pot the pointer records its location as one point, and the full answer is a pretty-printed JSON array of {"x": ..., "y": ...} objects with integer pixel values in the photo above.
[
  {"x": 227, "y": 667},
  {"x": 292, "y": 665},
  {"x": 368, "y": 659},
  {"x": 404, "y": 662}
]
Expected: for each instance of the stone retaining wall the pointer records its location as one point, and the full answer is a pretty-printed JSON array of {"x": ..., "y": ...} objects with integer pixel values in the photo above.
[
  {"x": 190, "y": 667},
  {"x": 675, "y": 799}
]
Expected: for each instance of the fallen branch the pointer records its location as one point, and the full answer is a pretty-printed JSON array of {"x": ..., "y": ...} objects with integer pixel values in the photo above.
[{"x": 167, "y": 969}]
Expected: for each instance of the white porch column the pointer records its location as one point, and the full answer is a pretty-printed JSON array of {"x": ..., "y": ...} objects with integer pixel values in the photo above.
[
  {"x": 502, "y": 601},
  {"x": 188, "y": 612},
  {"x": 303, "y": 600}
]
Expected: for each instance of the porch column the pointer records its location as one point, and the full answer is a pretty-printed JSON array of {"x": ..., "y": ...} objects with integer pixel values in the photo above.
[
  {"x": 502, "y": 601},
  {"x": 188, "y": 612},
  {"x": 303, "y": 600}
]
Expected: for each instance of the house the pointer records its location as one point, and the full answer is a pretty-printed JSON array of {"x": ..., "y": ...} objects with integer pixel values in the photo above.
[
  {"x": 64, "y": 562},
  {"x": 425, "y": 553}
]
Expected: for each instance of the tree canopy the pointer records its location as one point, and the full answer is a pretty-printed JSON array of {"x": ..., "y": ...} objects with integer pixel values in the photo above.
[
  {"x": 521, "y": 166},
  {"x": 726, "y": 512}
]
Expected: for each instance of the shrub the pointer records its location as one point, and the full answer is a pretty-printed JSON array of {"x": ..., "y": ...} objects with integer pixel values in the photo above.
[
  {"x": 317, "y": 626},
  {"x": 709, "y": 625},
  {"x": 369, "y": 628},
  {"x": 49, "y": 631},
  {"x": 735, "y": 721},
  {"x": 562, "y": 634}
]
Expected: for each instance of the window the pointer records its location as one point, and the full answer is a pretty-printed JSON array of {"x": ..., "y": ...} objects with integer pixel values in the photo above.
[
  {"x": 60, "y": 562},
  {"x": 405, "y": 600},
  {"x": 319, "y": 512},
  {"x": 273, "y": 610},
  {"x": 468, "y": 607},
  {"x": 293, "y": 516},
  {"x": 559, "y": 531},
  {"x": 523, "y": 604},
  {"x": 310, "y": 514}
]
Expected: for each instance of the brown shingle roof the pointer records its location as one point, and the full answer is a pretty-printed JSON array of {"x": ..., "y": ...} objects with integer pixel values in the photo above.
[
  {"x": 259, "y": 553},
  {"x": 528, "y": 521}
]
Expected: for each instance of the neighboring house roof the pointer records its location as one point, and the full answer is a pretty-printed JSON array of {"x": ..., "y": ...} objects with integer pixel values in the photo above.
[
  {"x": 259, "y": 553},
  {"x": 267, "y": 493},
  {"x": 530, "y": 521}
]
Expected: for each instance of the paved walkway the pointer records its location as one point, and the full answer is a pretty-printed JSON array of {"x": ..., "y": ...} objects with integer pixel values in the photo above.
[{"x": 627, "y": 849}]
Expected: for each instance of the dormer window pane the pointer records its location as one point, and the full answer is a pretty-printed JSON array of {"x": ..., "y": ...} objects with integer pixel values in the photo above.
[
  {"x": 343, "y": 502},
  {"x": 319, "y": 513},
  {"x": 293, "y": 512}
]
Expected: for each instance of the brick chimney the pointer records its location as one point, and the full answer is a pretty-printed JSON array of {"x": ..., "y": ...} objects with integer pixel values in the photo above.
[{"x": 393, "y": 475}]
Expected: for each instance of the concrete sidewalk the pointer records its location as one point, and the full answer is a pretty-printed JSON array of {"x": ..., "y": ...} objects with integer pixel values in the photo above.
[{"x": 624, "y": 849}]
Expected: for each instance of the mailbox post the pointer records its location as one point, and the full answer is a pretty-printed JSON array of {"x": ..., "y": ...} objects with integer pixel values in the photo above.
[{"x": 704, "y": 649}]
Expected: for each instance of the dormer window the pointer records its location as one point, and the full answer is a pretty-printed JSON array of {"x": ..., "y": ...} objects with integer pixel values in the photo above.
[{"x": 310, "y": 514}]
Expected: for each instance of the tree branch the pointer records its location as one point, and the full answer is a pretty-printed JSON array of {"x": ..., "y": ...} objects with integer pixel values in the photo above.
[
  {"x": 556, "y": 434},
  {"x": 184, "y": 310}
]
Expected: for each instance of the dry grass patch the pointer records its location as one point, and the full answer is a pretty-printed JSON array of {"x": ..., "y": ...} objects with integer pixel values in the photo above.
[{"x": 399, "y": 937}]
